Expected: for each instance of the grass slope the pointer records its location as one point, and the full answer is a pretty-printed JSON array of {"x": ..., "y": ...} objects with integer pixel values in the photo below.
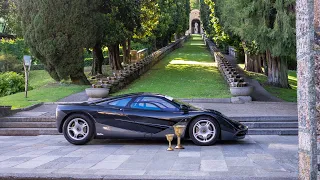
[
  {"x": 188, "y": 72},
  {"x": 45, "y": 90}
]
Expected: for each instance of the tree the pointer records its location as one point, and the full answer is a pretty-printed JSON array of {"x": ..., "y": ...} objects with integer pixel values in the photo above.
[
  {"x": 58, "y": 30},
  {"x": 123, "y": 18},
  {"x": 9, "y": 14},
  {"x": 174, "y": 17},
  {"x": 267, "y": 30}
]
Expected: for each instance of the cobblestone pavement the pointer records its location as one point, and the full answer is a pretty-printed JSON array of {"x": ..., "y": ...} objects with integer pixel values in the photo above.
[{"x": 53, "y": 157}]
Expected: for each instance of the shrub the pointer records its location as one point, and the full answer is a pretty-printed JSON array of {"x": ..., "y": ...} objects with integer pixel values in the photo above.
[
  {"x": 10, "y": 83},
  {"x": 89, "y": 61},
  {"x": 15, "y": 47},
  {"x": 9, "y": 62}
]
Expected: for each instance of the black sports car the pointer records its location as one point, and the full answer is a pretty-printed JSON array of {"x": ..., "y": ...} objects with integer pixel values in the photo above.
[{"x": 144, "y": 115}]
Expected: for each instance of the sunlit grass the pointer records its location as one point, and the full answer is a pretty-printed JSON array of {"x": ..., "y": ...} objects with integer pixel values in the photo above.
[
  {"x": 188, "y": 72},
  {"x": 282, "y": 93}
]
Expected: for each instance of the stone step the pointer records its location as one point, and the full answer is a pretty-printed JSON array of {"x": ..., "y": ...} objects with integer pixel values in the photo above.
[
  {"x": 266, "y": 119},
  {"x": 253, "y": 125},
  {"x": 28, "y": 131},
  {"x": 28, "y": 125},
  {"x": 28, "y": 119},
  {"x": 285, "y": 131}
]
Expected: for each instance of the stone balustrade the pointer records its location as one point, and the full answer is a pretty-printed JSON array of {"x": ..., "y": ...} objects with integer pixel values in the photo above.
[{"x": 238, "y": 85}]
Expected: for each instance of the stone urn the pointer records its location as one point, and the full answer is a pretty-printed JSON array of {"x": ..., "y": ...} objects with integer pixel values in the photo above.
[
  {"x": 241, "y": 91},
  {"x": 97, "y": 93}
]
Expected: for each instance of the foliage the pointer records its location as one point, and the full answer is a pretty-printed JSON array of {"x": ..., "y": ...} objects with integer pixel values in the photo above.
[
  {"x": 56, "y": 31},
  {"x": 195, "y": 4},
  {"x": 10, "y": 83},
  {"x": 9, "y": 62},
  {"x": 8, "y": 11},
  {"x": 15, "y": 47},
  {"x": 173, "y": 20},
  {"x": 212, "y": 25},
  {"x": 270, "y": 24},
  {"x": 189, "y": 68}
]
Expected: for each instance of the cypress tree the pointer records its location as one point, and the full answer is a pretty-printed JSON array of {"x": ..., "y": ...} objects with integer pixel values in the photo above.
[{"x": 57, "y": 31}]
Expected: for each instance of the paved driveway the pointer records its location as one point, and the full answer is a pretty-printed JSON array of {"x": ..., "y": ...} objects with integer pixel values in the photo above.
[{"x": 52, "y": 156}]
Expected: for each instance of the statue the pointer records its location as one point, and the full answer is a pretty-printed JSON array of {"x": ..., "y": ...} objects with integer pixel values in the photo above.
[{"x": 196, "y": 28}]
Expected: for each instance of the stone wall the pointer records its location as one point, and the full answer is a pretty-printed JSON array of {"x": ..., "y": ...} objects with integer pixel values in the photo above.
[
  {"x": 227, "y": 69},
  {"x": 5, "y": 111},
  {"x": 133, "y": 71}
]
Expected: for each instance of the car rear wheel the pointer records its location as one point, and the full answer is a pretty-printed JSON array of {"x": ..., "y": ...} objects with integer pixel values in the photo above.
[
  {"x": 78, "y": 129},
  {"x": 204, "y": 131}
]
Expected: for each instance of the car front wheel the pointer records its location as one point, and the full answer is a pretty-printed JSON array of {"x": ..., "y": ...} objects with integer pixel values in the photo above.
[
  {"x": 204, "y": 131},
  {"x": 78, "y": 129}
]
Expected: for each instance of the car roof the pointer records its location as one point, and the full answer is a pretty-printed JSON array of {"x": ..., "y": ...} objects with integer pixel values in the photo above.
[{"x": 128, "y": 95}]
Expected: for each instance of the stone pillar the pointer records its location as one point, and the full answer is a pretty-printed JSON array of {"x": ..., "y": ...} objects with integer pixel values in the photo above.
[{"x": 307, "y": 56}]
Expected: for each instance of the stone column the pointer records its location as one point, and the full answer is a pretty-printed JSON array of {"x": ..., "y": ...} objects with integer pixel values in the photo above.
[{"x": 307, "y": 56}]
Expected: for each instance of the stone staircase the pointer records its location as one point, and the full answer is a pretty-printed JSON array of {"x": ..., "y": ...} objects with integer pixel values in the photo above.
[
  {"x": 270, "y": 125},
  {"x": 32, "y": 126},
  {"x": 28, "y": 126}
]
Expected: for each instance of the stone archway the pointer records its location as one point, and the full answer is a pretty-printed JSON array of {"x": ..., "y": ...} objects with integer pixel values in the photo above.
[
  {"x": 194, "y": 19},
  {"x": 195, "y": 26}
]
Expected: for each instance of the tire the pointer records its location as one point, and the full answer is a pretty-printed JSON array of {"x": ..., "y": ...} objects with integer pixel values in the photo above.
[
  {"x": 81, "y": 124},
  {"x": 204, "y": 131}
]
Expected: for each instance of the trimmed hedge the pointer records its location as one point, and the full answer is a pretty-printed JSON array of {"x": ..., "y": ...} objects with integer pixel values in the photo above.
[{"x": 10, "y": 83}]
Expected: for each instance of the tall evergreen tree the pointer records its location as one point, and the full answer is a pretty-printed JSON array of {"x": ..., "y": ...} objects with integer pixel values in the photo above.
[{"x": 57, "y": 31}]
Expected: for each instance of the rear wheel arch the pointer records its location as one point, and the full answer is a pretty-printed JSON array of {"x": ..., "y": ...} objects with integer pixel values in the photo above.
[{"x": 73, "y": 113}]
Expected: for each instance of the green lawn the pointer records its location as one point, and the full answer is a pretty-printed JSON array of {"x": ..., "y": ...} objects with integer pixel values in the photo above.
[
  {"x": 282, "y": 93},
  {"x": 188, "y": 72},
  {"x": 45, "y": 90}
]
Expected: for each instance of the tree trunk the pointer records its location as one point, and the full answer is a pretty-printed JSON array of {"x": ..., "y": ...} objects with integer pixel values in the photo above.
[
  {"x": 126, "y": 51},
  {"x": 79, "y": 78},
  {"x": 97, "y": 59},
  {"x": 253, "y": 63},
  {"x": 264, "y": 64},
  {"x": 277, "y": 71},
  {"x": 114, "y": 57}
]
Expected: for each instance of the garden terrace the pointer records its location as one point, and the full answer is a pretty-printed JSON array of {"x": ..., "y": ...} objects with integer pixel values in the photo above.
[{"x": 188, "y": 72}]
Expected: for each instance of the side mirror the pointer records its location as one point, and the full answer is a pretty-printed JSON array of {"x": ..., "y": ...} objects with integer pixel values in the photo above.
[{"x": 184, "y": 108}]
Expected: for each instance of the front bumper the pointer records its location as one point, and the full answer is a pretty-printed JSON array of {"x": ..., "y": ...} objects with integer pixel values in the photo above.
[{"x": 241, "y": 133}]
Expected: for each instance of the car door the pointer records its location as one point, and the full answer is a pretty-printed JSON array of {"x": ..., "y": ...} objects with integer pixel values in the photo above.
[
  {"x": 153, "y": 114},
  {"x": 112, "y": 114}
]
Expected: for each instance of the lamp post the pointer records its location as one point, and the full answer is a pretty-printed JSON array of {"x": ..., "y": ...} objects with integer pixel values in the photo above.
[{"x": 26, "y": 65}]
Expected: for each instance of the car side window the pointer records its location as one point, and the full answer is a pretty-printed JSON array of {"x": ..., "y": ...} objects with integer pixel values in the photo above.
[
  {"x": 118, "y": 102},
  {"x": 153, "y": 103},
  {"x": 145, "y": 106}
]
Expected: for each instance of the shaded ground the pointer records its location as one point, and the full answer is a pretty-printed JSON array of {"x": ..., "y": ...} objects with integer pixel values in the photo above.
[
  {"x": 188, "y": 72},
  {"x": 255, "y": 157}
]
